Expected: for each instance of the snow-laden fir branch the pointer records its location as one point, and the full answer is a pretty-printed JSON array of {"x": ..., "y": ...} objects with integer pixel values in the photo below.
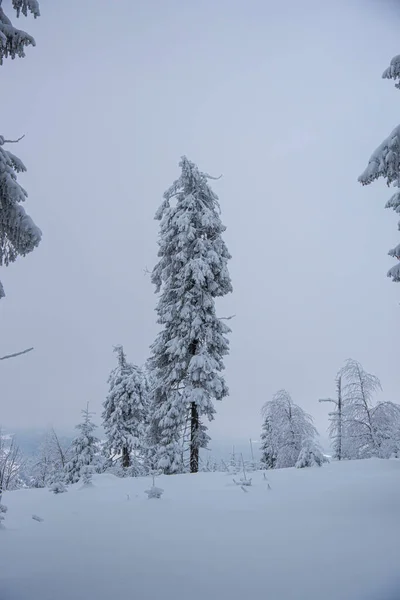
[{"x": 385, "y": 162}]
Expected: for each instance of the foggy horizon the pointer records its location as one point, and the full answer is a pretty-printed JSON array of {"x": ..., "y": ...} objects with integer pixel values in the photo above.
[{"x": 287, "y": 104}]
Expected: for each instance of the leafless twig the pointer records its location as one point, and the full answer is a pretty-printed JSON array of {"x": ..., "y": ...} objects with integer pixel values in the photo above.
[
  {"x": 14, "y": 141},
  {"x": 16, "y": 354}
]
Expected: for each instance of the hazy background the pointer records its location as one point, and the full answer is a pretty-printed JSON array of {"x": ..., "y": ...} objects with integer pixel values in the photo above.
[{"x": 285, "y": 100}]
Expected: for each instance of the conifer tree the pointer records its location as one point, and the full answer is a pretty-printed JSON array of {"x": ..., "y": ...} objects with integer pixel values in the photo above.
[
  {"x": 13, "y": 41},
  {"x": 125, "y": 410},
  {"x": 18, "y": 233},
  {"x": 268, "y": 445},
  {"x": 187, "y": 355},
  {"x": 83, "y": 450},
  {"x": 385, "y": 163}
]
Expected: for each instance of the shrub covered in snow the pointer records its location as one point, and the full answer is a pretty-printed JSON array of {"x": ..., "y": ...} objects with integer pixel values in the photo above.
[
  {"x": 310, "y": 455},
  {"x": 154, "y": 491},
  {"x": 86, "y": 474},
  {"x": 58, "y": 487}
]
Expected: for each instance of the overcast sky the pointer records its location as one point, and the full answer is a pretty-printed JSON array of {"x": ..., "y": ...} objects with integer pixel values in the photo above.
[{"x": 286, "y": 101}]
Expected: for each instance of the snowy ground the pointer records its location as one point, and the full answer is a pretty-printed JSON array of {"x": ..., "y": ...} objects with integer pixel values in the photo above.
[{"x": 318, "y": 534}]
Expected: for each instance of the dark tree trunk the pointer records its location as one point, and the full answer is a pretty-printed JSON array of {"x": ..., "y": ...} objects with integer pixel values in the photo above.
[
  {"x": 126, "y": 457},
  {"x": 339, "y": 448},
  {"x": 194, "y": 425},
  {"x": 194, "y": 435}
]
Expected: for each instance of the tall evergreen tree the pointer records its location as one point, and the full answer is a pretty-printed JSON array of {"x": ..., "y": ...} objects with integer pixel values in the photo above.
[
  {"x": 385, "y": 163},
  {"x": 18, "y": 233},
  {"x": 83, "y": 450},
  {"x": 187, "y": 355},
  {"x": 124, "y": 410}
]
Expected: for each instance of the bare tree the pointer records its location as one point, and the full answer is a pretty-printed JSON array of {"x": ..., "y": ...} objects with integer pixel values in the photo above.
[
  {"x": 358, "y": 391},
  {"x": 336, "y": 419},
  {"x": 359, "y": 428},
  {"x": 42, "y": 465},
  {"x": 11, "y": 460},
  {"x": 286, "y": 428},
  {"x": 60, "y": 451},
  {"x": 386, "y": 422},
  {"x": 48, "y": 466}
]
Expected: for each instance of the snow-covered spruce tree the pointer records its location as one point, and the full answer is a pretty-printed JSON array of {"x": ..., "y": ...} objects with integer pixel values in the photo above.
[
  {"x": 385, "y": 163},
  {"x": 286, "y": 428},
  {"x": 187, "y": 355},
  {"x": 124, "y": 410},
  {"x": 83, "y": 451},
  {"x": 268, "y": 444},
  {"x": 336, "y": 426},
  {"x": 18, "y": 233},
  {"x": 359, "y": 388}
]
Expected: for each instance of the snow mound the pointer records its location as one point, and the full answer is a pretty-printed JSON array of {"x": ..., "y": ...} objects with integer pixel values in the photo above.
[{"x": 330, "y": 533}]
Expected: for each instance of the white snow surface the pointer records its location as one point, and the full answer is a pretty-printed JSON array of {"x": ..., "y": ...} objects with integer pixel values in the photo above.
[{"x": 329, "y": 533}]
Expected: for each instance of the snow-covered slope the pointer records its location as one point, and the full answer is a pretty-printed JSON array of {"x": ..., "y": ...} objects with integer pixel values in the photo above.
[{"x": 319, "y": 534}]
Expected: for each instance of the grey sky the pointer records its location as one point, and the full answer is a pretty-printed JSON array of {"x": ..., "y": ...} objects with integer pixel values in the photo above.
[{"x": 285, "y": 100}]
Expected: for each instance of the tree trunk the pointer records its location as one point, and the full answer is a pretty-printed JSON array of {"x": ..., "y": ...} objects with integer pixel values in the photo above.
[
  {"x": 194, "y": 441},
  {"x": 126, "y": 458},
  {"x": 194, "y": 425},
  {"x": 340, "y": 416}
]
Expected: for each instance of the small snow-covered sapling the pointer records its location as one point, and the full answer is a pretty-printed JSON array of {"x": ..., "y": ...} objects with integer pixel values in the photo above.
[
  {"x": 58, "y": 487},
  {"x": 243, "y": 481},
  {"x": 86, "y": 474},
  {"x": 154, "y": 491}
]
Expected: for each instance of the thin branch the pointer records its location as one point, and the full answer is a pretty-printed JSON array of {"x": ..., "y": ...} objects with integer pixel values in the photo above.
[
  {"x": 211, "y": 176},
  {"x": 226, "y": 318},
  {"x": 14, "y": 141},
  {"x": 16, "y": 354},
  {"x": 328, "y": 400}
]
